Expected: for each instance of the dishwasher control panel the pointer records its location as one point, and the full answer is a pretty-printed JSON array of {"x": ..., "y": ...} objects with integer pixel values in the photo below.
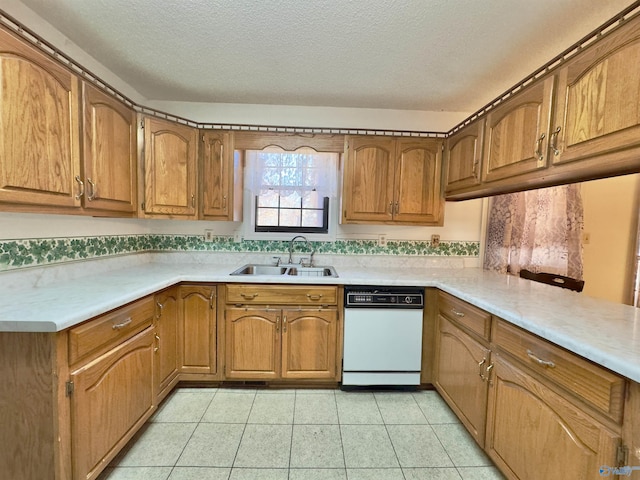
[{"x": 384, "y": 297}]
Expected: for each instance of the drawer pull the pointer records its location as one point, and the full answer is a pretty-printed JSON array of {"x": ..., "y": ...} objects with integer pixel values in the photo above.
[
  {"x": 539, "y": 361},
  {"x": 122, "y": 324},
  {"x": 248, "y": 296},
  {"x": 315, "y": 297},
  {"x": 457, "y": 313}
]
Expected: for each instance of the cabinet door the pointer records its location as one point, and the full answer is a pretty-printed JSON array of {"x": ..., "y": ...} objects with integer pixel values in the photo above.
[
  {"x": 197, "y": 329},
  {"x": 460, "y": 361},
  {"x": 170, "y": 168},
  {"x": 252, "y": 343},
  {"x": 598, "y": 108},
  {"x": 534, "y": 433},
  {"x": 309, "y": 343},
  {"x": 464, "y": 157},
  {"x": 517, "y": 133},
  {"x": 39, "y": 130},
  {"x": 418, "y": 198},
  {"x": 109, "y": 153},
  {"x": 113, "y": 396},
  {"x": 367, "y": 191},
  {"x": 217, "y": 176},
  {"x": 166, "y": 336}
]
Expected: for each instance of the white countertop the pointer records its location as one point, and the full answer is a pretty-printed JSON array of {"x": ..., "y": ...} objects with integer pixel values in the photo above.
[{"x": 606, "y": 333}]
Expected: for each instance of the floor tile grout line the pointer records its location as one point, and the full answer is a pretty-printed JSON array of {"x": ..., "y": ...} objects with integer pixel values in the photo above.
[
  {"x": 244, "y": 429},
  {"x": 389, "y": 436}
]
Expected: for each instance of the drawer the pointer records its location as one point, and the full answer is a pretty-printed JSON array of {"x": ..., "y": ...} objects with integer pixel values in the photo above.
[
  {"x": 464, "y": 314},
  {"x": 282, "y": 295},
  {"x": 110, "y": 329},
  {"x": 590, "y": 383}
]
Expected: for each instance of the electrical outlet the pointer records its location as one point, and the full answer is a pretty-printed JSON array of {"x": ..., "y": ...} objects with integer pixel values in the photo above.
[
  {"x": 382, "y": 240},
  {"x": 208, "y": 235},
  {"x": 435, "y": 241},
  {"x": 237, "y": 237}
]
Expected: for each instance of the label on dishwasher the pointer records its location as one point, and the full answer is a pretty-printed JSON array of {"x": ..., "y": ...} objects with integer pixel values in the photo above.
[{"x": 384, "y": 300}]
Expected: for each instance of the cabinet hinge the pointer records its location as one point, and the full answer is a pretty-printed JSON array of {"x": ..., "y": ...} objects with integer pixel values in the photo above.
[
  {"x": 69, "y": 388},
  {"x": 142, "y": 205},
  {"x": 622, "y": 455},
  {"x": 141, "y": 123}
]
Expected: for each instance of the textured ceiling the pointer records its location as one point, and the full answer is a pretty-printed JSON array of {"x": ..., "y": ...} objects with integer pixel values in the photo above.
[{"x": 435, "y": 55}]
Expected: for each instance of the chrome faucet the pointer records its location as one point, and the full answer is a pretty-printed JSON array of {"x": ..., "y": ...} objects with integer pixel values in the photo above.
[{"x": 308, "y": 245}]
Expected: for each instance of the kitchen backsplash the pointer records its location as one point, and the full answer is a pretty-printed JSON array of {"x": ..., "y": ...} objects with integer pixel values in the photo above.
[{"x": 15, "y": 254}]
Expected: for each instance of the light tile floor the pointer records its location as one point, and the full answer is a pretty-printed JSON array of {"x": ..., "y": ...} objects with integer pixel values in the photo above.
[{"x": 247, "y": 434}]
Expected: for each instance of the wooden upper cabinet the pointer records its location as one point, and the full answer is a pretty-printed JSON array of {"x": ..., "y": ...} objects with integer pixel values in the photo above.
[
  {"x": 388, "y": 180},
  {"x": 517, "y": 133},
  {"x": 170, "y": 154},
  {"x": 217, "y": 176},
  {"x": 417, "y": 197},
  {"x": 109, "y": 153},
  {"x": 368, "y": 180},
  {"x": 463, "y": 153},
  {"x": 39, "y": 131},
  {"x": 598, "y": 108}
]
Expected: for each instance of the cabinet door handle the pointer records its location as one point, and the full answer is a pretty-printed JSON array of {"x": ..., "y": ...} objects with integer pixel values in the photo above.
[
  {"x": 277, "y": 324},
  {"x": 538, "y": 148},
  {"x": 193, "y": 201},
  {"x": 397, "y": 207},
  {"x": 314, "y": 297},
  {"x": 284, "y": 324},
  {"x": 122, "y": 324},
  {"x": 81, "y": 184},
  {"x": 92, "y": 192},
  {"x": 474, "y": 172},
  {"x": 212, "y": 297},
  {"x": 157, "y": 347},
  {"x": 457, "y": 313},
  {"x": 480, "y": 364},
  {"x": 160, "y": 307},
  {"x": 224, "y": 202},
  {"x": 553, "y": 141},
  {"x": 539, "y": 361},
  {"x": 488, "y": 375},
  {"x": 390, "y": 208},
  {"x": 248, "y": 296}
]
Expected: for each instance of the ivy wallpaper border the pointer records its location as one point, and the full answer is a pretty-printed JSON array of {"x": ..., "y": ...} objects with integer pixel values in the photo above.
[{"x": 24, "y": 253}]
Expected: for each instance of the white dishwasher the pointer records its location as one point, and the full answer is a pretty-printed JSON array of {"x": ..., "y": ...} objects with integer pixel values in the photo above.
[{"x": 382, "y": 335}]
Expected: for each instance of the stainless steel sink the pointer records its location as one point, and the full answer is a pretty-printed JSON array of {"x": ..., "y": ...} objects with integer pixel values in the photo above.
[
  {"x": 293, "y": 270},
  {"x": 313, "y": 271},
  {"x": 252, "y": 269}
]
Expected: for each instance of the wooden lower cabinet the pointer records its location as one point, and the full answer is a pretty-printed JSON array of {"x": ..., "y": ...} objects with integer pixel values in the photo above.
[
  {"x": 197, "y": 329},
  {"x": 273, "y": 343},
  {"x": 460, "y": 376},
  {"x": 309, "y": 339},
  {"x": 113, "y": 396},
  {"x": 252, "y": 343},
  {"x": 166, "y": 338},
  {"x": 534, "y": 433}
]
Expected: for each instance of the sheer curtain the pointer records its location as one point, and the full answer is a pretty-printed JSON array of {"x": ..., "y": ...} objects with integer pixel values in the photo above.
[
  {"x": 539, "y": 230},
  {"x": 302, "y": 173}
]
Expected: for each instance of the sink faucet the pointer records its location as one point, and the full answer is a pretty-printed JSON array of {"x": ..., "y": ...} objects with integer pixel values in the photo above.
[{"x": 308, "y": 246}]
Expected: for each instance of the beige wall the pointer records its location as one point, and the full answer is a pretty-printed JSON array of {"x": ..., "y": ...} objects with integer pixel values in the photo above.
[{"x": 610, "y": 224}]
